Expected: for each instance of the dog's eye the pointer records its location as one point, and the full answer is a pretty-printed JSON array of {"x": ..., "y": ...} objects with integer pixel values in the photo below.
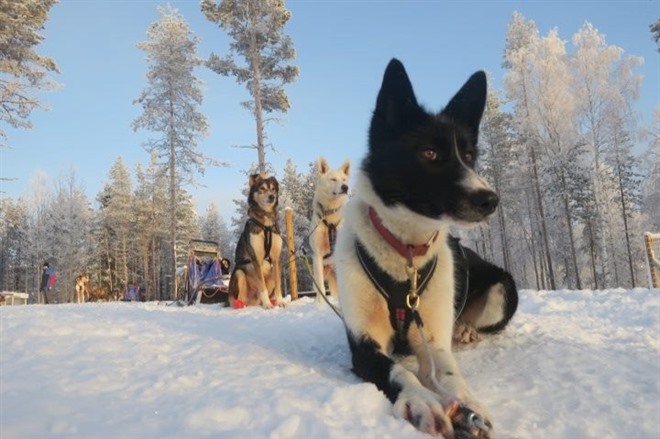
[
  {"x": 468, "y": 157},
  {"x": 430, "y": 154}
]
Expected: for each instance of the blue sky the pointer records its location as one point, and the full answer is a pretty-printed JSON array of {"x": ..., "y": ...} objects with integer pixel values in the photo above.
[{"x": 342, "y": 50}]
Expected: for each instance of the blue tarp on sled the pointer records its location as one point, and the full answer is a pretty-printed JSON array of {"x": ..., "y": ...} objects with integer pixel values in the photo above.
[
  {"x": 204, "y": 280},
  {"x": 132, "y": 294}
]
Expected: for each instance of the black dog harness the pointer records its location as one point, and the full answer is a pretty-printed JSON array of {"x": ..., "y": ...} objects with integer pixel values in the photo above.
[
  {"x": 396, "y": 292},
  {"x": 332, "y": 227},
  {"x": 268, "y": 240}
]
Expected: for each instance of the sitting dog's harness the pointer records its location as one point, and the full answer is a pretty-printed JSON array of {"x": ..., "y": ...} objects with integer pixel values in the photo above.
[
  {"x": 332, "y": 227},
  {"x": 402, "y": 297},
  {"x": 268, "y": 241}
]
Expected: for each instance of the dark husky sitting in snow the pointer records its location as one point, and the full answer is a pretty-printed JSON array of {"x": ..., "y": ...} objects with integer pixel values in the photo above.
[{"x": 257, "y": 275}]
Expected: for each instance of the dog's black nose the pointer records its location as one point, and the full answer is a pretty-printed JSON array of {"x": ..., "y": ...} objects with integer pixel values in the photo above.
[
  {"x": 344, "y": 188},
  {"x": 484, "y": 201}
]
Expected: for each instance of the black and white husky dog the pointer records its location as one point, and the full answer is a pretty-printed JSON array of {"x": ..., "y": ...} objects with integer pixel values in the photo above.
[{"x": 394, "y": 263}]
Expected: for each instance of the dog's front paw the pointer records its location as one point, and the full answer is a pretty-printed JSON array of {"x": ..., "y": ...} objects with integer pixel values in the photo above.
[
  {"x": 424, "y": 411},
  {"x": 469, "y": 421},
  {"x": 278, "y": 302}
]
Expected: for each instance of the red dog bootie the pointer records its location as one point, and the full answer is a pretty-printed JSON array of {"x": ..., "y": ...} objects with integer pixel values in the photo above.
[{"x": 238, "y": 304}]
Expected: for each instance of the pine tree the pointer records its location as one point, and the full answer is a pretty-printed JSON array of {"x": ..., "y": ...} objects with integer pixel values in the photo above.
[
  {"x": 14, "y": 274},
  {"x": 213, "y": 227},
  {"x": 209, "y": 224},
  {"x": 151, "y": 225},
  {"x": 116, "y": 221},
  {"x": 170, "y": 106},
  {"x": 22, "y": 69},
  {"x": 69, "y": 220},
  {"x": 496, "y": 144},
  {"x": 187, "y": 226},
  {"x": 627, "y": 180},
  {"x": 256, "y": 28}
]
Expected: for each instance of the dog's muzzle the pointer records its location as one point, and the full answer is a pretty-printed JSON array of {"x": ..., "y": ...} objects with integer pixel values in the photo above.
[{"x": 484, "y": 201}]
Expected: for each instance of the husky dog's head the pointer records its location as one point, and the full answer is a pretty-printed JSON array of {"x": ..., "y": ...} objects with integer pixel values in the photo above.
[
  {"x": 425, "y": 161},
  {"x": 332, "y": 183},
  {"x": 263, "y": 193}
]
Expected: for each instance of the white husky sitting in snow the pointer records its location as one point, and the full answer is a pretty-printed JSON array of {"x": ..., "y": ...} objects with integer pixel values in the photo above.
[{"x": 330, "y": 196}]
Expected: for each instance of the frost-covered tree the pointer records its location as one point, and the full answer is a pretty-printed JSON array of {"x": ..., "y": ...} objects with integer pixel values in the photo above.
[
  {"x": 69, "y": 219},
  {"x": 520, "y": 55},
  {"x": 38, "y": 199},
  {"x": 292, "y": 195},
  {"x": 22, "y": 70},
  {"x": 116, "y": 218},
  {"x": 297, "y": 190},
  {"x": 187, "y": 226},
  {"x": 554, "y": 117},
  {"x": 651, "y": 181},
  {"x": 209, "y": 224},
  {"x": 213, "y": 227},
  {"x": 170, "y": 105},
  {"x": 627, "y": 181},
  {"x": 605, "y": 87},
  {"x": 570, "y": 110},
  {"x": 14, "y": 266},
  {"x": 151, "y": 226},
  {"x": 496, "y": 140},
  {"x": 297, "y": 193},
  {"x": 256, "y": 28}
]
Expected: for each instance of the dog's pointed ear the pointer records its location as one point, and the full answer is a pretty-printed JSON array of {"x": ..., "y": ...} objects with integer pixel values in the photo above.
[
  {"x": 345, "y": 167},
  {"x": 275, "y": 183},
  {"x": 396, "y": 101},
  {"x": 467, "y": 106},
  {"x": 254, "y": 179},
  {"x": 322, "y": 165}
]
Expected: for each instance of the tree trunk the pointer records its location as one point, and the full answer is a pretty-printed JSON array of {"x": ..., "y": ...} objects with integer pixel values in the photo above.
[
  {"x": 592, "y": 251},
  {"x": 539, "y": 205},
  {"x": 255, "y": 61},
  {"x": 532, "y": 250},
  {"x": 569, "y": 224},
  {"x": 504, "y": 240},
  {"x": 624, "y": 214},
  {"x": 173, "y": 201}
]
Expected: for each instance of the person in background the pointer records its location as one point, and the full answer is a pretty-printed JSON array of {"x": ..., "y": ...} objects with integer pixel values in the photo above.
[{"x": 45, "y": 283}]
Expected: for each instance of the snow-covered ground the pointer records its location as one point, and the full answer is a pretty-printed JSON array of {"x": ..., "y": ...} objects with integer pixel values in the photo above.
[{"x": 572, "y": 364}]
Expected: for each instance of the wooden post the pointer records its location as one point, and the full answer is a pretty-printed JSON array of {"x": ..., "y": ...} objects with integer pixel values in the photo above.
[
  {"x": 291, "y": 245},
  {"x": 652, "y": 259}
]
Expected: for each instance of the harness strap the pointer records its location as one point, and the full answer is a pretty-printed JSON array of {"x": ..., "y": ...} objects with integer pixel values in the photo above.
[
  {"x": 322, "y": 213},
  {"x": 332, "y": 236},
  {"x": 394, "y": 291},
  {"x": 268, "y": 236}
]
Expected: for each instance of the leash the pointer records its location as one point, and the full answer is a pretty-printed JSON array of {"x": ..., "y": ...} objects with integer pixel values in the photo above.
[
  {"x": 466, "y": 288},
  {"x": 305, "y": 260}
]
